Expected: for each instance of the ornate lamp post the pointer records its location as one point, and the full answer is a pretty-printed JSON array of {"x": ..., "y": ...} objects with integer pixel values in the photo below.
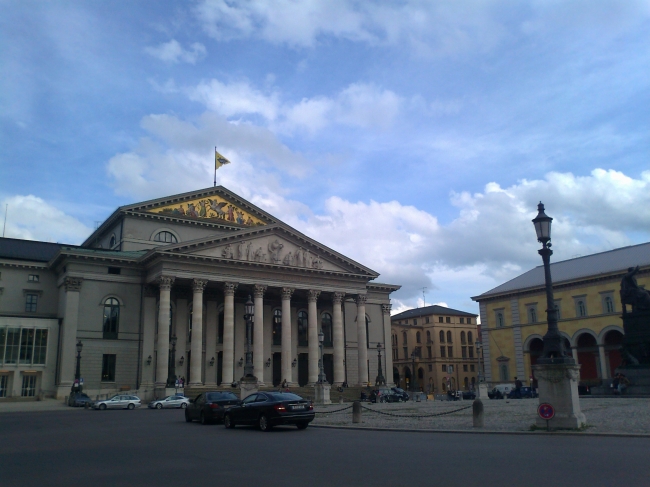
[
  {"x": 171, "y": 367},
  {"x": 76, "y": 385},
  {"x": 554, "y": 351},
  {"x": 321, "y": 370},
  {"x": 479, "y": 350},
  {"x": 415, "y": 353},
  {"x": 250, "y": 314},
  {"x": 379, "y": 381}
]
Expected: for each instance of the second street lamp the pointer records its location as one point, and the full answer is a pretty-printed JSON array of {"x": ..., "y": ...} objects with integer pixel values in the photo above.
[
  {"x": 250, "y": 314},
  {"x": 321, "y": 370},
  {"x": 171, "y": 366},
  {"x": 76, "y": 385},
  {"x": 380, "y": 380}
]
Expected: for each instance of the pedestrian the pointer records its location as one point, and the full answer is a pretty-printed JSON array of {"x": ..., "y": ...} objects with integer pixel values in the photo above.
[
  {"x": 623, "y": 382},
  {"x": 615, "y": 383},
  {"x": 518, "y": 386}
]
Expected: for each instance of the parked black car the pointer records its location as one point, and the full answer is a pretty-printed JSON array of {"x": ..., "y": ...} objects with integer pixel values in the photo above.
[
  {"x": 469, "y": 395},
  {"x": 383, "y": 394},
  {"x": 401, "y": 394},
  {"x": 495, "y": 394},
  {"x": 526, "y": 392},
  {"x": 79, "y": 399},
  {"x": 269, "y": 409},
  {"x": 210, "y": 406}
]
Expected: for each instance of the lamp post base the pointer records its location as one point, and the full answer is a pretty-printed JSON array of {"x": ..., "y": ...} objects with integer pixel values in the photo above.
[
  {"x": 248, "y": 385},
  {"x": 482, "y": 390},
  {"x": 322, "y": 393},
  {"x": 558, "y": 386}
]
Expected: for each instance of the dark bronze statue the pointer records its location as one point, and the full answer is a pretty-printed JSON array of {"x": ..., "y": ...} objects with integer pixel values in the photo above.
[{"x": 632, "y": 294}]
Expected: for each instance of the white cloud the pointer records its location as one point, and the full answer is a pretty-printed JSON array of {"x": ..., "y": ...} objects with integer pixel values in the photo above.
[
  {"x": 32, "y": 218},
  {"x": 233, "y": 99},
  {"x": 173, "y": 52}
]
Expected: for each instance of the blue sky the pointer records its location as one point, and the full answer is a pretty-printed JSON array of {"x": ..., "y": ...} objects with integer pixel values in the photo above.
[{"x": 415, "y": 137}]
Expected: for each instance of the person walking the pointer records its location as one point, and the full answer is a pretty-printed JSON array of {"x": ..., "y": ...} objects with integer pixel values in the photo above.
[{"x": 518, "y": 385}]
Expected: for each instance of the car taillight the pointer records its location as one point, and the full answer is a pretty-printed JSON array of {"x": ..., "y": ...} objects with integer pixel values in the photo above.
[
  {"x": 280, "y": 408},
  {"x": 311, "y": 406},
  {"x": 214, "y": 406}
]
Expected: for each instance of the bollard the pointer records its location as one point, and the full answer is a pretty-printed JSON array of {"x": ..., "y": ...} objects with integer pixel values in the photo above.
[
  {"x": 477, "y": 413},
  {"x": 341, "y": 399},
  {"x": 356, "y": 412}
]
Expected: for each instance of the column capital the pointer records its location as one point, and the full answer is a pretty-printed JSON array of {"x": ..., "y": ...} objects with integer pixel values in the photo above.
[
  {"x": 259, "y": 290},
  {"x": 229, "y": 288},
  {"x": 385, "y": 308},
  {"x": 287, "y": 292},
  {"x": 166, "y": 282},
  {"x": 73, "y": 283},
  {"x": 361, "y": 299},
  {"x": 337, "y": 298},
  {"x": 312, "y": 296},
  {"x": 198, "y": 285}
]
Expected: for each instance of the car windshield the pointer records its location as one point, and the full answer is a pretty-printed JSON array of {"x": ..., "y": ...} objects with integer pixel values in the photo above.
[
  {"x": 283, "y": 396},
  {"x": 220, "y": 396}
]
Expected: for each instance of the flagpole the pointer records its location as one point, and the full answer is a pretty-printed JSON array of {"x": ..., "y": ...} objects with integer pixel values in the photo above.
[{"x": 215, "y": 166}]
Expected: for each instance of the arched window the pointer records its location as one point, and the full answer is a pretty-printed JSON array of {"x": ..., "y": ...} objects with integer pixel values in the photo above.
[
  {"x": 500, "y": 321},
  {"x": 532, "y": 315},
  {"x": 404, "y": 338},
  {"x": 302, "y": 329},
  {"x": 462, "y": 337},
  {"x": 111, "y": 318},
  {"x": 582, "y": 308},
  {"x": 165, "y": 237},
  {"x": 417, "y": 337},
  {"x": 277, "y": 327},
  {"x": 609, "y": 305},
  {"x": 442, "y": 336},
  {"x": 428, "y": 336},
  {"x": 448, "y": 337},
  {"x": 469, "y": 337},
  {"x": 326, "y": 328},
  {"x": 112, "y": 242}
]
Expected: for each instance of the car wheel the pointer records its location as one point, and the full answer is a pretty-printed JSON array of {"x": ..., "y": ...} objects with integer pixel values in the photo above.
[
  {"x": 227, "y": 422},
  {"x": 264, "y": 424},
  {"x": 204, "y": 420},
  {"x": 302, "y": 426},
  {"x": 183, "y": 405},
  {"x": 158, "y": 406},
  {"x": 102, "y": 407},
  {"x": 187, "y": 416},
  {"x": 131, "y": 406}
]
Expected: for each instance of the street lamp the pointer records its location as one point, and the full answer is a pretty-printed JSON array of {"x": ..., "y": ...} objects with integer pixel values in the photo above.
[
  {"x": 321, "y": 370},
  {"x": 250, "y": 313},
  {"x": 171, "y": 366},
  {"x": 414, "y": 353},
  {"x": 379, "y": 381},
  {"x": 554, "y": 351},
  {"x": 76, "y": 385},
  {"x": 479, "y": 350}
]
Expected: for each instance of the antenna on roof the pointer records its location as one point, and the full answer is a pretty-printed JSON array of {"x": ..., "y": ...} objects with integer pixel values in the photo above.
[
  {"x": 5, "y": 224},
  {"x": 424, "y": 300}
]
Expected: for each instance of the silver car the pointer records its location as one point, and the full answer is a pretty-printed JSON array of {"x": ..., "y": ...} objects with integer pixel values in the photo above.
[
  {"x": 175, "y": 401},
  {"x": 121, "y": 401}
]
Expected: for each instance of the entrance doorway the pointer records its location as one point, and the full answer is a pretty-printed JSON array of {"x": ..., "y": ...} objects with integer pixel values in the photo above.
[
  {"x": 219, "y": 368},
  {"x": 303, "y": 369},
  {"x": 277, "y": 369},
  {"x": 328, "y": 366}
]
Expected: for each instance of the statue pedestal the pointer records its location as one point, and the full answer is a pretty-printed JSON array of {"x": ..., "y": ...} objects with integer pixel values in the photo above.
[
  {"x": 482, "y": 390},
  {"x": 248, "y": 386},
  {"x": 558, "y": 386},
  {"x": 322, "y": 393}
]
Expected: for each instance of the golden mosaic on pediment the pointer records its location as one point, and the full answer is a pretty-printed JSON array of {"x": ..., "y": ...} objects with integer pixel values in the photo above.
[{"x": 213, "y": 208}]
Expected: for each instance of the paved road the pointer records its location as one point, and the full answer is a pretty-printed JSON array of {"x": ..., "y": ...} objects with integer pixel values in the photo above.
[{"x": 143, "y": 447}]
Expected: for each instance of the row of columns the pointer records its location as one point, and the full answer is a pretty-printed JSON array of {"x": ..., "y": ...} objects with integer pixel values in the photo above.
[{"x": 198, "y": 286}]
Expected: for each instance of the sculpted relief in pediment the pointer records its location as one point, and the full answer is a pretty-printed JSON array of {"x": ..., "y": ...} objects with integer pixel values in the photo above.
[{"x": 271, "y": 250}]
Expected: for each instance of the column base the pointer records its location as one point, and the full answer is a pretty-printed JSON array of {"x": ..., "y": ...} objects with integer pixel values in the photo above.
[
  {"x": 558, "y": 386},
  {"x": 322, "y": 395}
]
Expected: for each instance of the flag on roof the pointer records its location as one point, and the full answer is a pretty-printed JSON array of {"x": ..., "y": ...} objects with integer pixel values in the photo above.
[{"x": 219, "y": 160}]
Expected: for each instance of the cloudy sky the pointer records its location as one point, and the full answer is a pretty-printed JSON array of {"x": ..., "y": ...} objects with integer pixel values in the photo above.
[{"x": 414, "y": 136}]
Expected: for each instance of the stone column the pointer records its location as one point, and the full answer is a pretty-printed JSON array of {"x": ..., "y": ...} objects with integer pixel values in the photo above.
[
  {"x": 162, "y": 363},
  {"x": 604, "y": 370},
  {"x": 258, "y": 334},
  {"x": 198, "y": 285},
  {"x": 312, "y": 334},
  {"x": 388, "y": 345},
  {"x": 362, "y": 346},
  {"x": 286, "y": 335},
  {"x": 148, "y": 341},
  {"x": 337, "y": 338},
  {"x": 68, "y": 337},
  {"x": 227, "y": 371},
  {"x": 212, "y": 318}
]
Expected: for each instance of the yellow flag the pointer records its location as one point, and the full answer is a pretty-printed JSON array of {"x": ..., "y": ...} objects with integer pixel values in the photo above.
[{"x": 219, "y": 160}]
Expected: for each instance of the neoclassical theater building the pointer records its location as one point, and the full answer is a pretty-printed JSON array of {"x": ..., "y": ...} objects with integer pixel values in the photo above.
[{"x": 161, "y": 285}]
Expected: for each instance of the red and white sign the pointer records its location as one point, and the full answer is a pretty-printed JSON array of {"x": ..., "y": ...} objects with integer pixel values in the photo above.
[{"x": 546, "y": 411}]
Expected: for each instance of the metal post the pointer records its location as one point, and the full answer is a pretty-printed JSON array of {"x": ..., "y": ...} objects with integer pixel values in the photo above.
[
  {"x": 171, "y": 366},
  {"x": 321, "y": 370},
  {"x": 248, "y": 368},
  {"x": 380, "y": 380}
]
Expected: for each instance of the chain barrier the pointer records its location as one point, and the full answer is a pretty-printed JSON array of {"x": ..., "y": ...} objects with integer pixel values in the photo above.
[
  {"x": 415, "y": 416},
  {"x": 332, "y": 412}
]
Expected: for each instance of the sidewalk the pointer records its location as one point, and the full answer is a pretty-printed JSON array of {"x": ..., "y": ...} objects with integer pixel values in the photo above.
[
  {"x": 31, "y": 406},
  {"x": 604, "y": 415}
]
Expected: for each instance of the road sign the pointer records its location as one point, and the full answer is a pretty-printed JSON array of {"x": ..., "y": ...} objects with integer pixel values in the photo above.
[
  {"x": 546, "y": 411},
  {"x": 81, "y": 381},
  {"x": 177, "y": 383}
]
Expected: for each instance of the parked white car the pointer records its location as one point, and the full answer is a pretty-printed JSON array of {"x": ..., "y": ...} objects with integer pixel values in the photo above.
[
  {"x": 175, "y": 401},
  {"x": 121, "y": 401}
]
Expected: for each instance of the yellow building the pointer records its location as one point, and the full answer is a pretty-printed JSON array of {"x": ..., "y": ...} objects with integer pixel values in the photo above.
[
  {"x": 443, "y": 340},
  {"x": 586, "y": 293}
]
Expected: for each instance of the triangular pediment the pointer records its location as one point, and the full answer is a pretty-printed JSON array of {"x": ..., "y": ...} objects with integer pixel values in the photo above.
[
  {"x": 212, "y": 205},
  {"x": 276, "y": 245}
]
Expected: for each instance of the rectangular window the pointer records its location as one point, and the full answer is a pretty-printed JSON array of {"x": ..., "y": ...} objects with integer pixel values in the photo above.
[
  {"x": 531, "y": 312},
  {"x": 26, "y": 345},
  {"x": 430, "y": 367},
  {"x": 469, "y": 321},
  {"x": 406, "y": 353},
  {"x": 406, "y": 322},
  {"x": 471, "y": 368},
  {"x": 108, "y": 368},
  {"x": 33, "y": 278},
  {"x": 429, "y": 352},
  {"x": 581, "y": 306},
  {"x": 415, "y": 322},
  {"x": 29, "y": 386},
  {"x": 3, "y": 339},
  {"x": 558, "y": 308},
  {"x": 607, "y": 300},
  {"x": 498, "y": 318},
  {"x": 471, "y": 352},
  {"x": 4, "y": 383},
  {"x": 462, "y": 321},
  {"x": 13, "y": 342},
  {"x": 31, "y": 300},
  {"x": 427, "y": 319},
  {"x": 450, "y": 352},
  {"x": 444, "y": 368},
  {"x": 448, "y": 319},
  {"x": 40, "y": 347},
  {"x": 442, "y": 352},
  {"x": 463, "y": 352},
  {"x": 114, "y": 270},
  {"x": 464, "y": 367},
  {"x": 440, "y": 319}
]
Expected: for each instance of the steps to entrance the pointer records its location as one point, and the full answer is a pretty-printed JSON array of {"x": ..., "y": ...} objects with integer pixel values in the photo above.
[{"x": 349, "y": 394}]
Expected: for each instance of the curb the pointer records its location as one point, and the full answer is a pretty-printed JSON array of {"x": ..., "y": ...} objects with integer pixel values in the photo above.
[{"x": 484, "y": 432}]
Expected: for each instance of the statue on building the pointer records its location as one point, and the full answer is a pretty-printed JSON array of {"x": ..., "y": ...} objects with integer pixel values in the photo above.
[
  {"x": 259, "y": 255},
  {"x": 274, "y": 251},
  {"x": 241, "y": 251},
  {"x": 632, "y": 293},
  {"x": 227, "y": 252},
  {"x": 288, "y": 259}
]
